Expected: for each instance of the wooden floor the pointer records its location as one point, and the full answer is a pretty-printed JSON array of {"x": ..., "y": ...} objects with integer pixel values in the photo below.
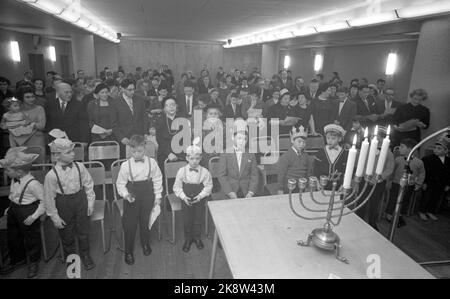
[{"x": 423, "y": 241}]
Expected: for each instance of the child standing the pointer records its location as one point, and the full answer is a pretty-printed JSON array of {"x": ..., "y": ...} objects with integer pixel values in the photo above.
[
  {"x": 26, "y": 196},
  {"x": 139, "y": 183},
  {"x": 16, "y": 122},
  {"x": 69, "y": 197},
  {"x": 418, "y": 176},
  {"x": 193, "y": 184},
  {"x": 437, "y": 179},
  {"x": 295, "y": 163},
  {"x": 332, "y": 157}
]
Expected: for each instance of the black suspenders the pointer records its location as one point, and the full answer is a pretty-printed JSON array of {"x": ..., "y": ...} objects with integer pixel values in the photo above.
[
  {"x": 24, "y": 189},
  {"x": 149, "y": 170},
  {"x": 59, "y": 181}
]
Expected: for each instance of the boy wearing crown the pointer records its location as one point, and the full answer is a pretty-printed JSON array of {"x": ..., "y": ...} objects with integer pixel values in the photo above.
[
  {"x": 332, "y": 158},
  {"x": 69, "y": 198},
  {"x": 193, "y": 185},
  {"x": 26, "y": 206},
  {"x": 295, "y": 163},
  {"x": 139, "y": 183}
]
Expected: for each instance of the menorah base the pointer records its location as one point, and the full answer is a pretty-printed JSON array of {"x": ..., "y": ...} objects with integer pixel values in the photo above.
[{"x": 325, "y": 239}]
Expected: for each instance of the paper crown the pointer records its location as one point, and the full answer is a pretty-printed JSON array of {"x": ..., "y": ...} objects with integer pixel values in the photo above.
[
  {"x": 61, "y": 143},
  {"x": 444, "y": 140},
  {"x": 15, "y": 157},
  {"x": 334, "y": 128},
  {"x": 194, "y": 149},
  {"x": 299, "y": 133}
]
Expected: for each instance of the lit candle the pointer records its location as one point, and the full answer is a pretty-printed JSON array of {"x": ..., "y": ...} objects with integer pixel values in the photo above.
[
  {"x": 383, "y": 153},
  {"x": 350, "y": 165},
  {"x": 363, "y": 155},
  {"x": 372, "y": 153}
]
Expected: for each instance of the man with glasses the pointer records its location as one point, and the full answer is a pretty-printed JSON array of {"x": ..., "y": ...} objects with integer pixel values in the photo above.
[
  {"x": 130, "y": 115},
  {"x": 386, "y": 106}
]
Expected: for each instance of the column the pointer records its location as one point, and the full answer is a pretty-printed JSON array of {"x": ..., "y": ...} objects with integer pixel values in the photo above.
[
  {"x": 83, "y": 53},
  {"x": 269, "y": 60},
  {"x": 431, "y": 71},
  {"x": 106, "y": 54}
]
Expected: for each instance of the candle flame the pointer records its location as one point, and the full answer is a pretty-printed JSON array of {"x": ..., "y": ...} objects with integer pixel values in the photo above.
[
  {"x": 354, "y": 140},
  {"x": 388, "y": 131},
  {"x": 366, "y": 132},
  {"x": 375, "y": 132}
]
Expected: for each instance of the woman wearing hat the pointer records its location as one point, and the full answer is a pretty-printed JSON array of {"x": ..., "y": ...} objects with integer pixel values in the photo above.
[{"x": 101, "y": 115}]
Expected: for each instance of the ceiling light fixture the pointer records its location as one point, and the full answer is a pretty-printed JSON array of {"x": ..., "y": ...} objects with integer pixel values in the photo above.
[{"x": 374, "y": 19}]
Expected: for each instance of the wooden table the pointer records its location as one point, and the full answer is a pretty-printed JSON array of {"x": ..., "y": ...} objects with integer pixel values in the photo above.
[{"x": 259, "y": 237}]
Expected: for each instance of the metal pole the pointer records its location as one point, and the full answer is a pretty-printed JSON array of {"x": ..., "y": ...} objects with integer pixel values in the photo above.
[{"x": 403, "y": 183}]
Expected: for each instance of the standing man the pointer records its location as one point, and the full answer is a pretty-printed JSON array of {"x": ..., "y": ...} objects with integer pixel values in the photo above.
[
  {"x": 346, "y": 109},
  {"x": 187, "y": 101}
]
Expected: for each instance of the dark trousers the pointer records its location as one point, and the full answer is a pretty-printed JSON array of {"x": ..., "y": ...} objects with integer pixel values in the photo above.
[
  {"x": 136, "y": 213},
  {"x": 431, "y": 199},
  {"x": 23, "y": 239},
  {"x": 371, "y": 210},
  {"x": 408, "y": 194},
  {"x": 73, "y": 210},
  {"x": 193, "y": 220}
]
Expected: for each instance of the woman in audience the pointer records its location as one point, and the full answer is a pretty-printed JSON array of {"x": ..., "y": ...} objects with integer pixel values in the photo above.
[
  {"x": 305, "y": 114},
  {"x": 412, "y": 117},
  {"x": 280, "y": 111},
  {"x": 39, "y": 93},
  {"x": 101, "y": 115},
  {"x": 36, "y": 114},
  {"x": 323, "y": 111},
  {"x": 204, "y": 85}
]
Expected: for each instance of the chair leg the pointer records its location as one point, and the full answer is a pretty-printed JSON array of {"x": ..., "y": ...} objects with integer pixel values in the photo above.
[
  {"x": 44, "y": 245},
  {"x": 159, "y": 228},
  {"x": 103, "y": 236},
  {"x": 61, "y": 251},
  {"x": 172, "y": 241},
  {"x": 206, "y": 221}
]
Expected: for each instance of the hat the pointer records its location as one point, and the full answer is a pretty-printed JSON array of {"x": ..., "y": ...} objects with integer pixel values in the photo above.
[
  {"x": 15, "y": 157},
  {"x": 444, "y": 141},
  {"x": 194, "y": 149},
  {"x": 283, "y": 92},
  {"x": 8, "y": 101},
  {"x": 334, "y": 128},
  {"x": 61, "y": 143},
  {"x": 298, "y": 133}
]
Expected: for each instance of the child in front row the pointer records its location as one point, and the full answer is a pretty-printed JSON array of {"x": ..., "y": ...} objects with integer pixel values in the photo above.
[
  {"x": 139, "y": 183},
  {"x": 69, "y": 198},
  {"x": 193, "y": 185},
  {"x": 295, "y": 163},
  {"x": 418, "y": 176},
  {"x": 26, "y": 206}
]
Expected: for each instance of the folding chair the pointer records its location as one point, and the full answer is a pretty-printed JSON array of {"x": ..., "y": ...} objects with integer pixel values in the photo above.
[
  {"x": 314, "y": 143},
  {"x": 170, "y": 172},
  {"x": 104, "y": 150},
  {"x": 118, "y": 203},
  {"x": 36, "y": 150},
  {"x": 213, "y": 166}
]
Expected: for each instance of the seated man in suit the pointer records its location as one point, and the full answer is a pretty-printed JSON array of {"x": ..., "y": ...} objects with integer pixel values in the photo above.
[
  {"x": 238, "y": 172},
  {"x": 386, "y": 107},
  {"x": 130, "y": 115},
  {"x": 187, "y": 101},
  {"x": 346, "y": 109},
  {"x": 67, "y": 114},
  {"x": 234, "y": 109}
]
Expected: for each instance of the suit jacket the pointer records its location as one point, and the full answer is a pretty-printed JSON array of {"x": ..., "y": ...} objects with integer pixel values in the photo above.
[
  {"x": 229, "y": 113},
  {"x": 348, "y": 113},
  {"x": 73, "y": 121},
  {"x": 381, "y": 109},
  {"x": 126, "y": 123},
  {"x": 310, "y": 97},
  {"x": 182, "y": 108},
  {"x": 289, "y": 85},
  {"x": 362, "y": 111},
  {"x": 231, "y": 178},
  {"x": 164, "y": 137}
]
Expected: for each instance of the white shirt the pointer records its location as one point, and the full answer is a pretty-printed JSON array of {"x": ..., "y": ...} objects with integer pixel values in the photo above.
[
  {"x": 61, "y": 103},
  {"x": 129, "y": 102},
  {"x": 140, "y": 173},
  {"x": 184, "y": 175},
  {"x": 387, "y": 105},
  {"x": 333, "y": 154},
  {"x": 341, "y": 106},
  {"x": 238, "y": 157},
  {"x": 33, "y": 193},
  {"x": 189, "y": 103}
]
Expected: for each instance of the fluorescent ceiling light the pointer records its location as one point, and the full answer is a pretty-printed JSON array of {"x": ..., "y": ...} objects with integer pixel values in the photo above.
[
  {"x": 318, "y": 62},
  {"x": 374, "y": 19},
  {"x": 332, "y": 27},
  {"x": 391, "y": 64},
  {"x": 69, "y": 16},
  {"x": 424, "y": 10},
  {"x": 82, "y": 23},
  {"x": 52, "y": 53},
  {"x": 48, "y": 6},
  {"x": 304, "y": 31},
  {"x": 15, "y": 51},
  {"x": 287, "y": 62}
]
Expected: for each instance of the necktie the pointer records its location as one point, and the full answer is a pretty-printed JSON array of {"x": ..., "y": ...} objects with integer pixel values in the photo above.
[
  {"x": 139, "y": 160},
  {"x": 63, "y": 106},
  {"x": 64, "y": 167},
  {"x": 366, "y": 103},
  {"x": 188, "y": 104},
  {"x": 193, "y": 169}
]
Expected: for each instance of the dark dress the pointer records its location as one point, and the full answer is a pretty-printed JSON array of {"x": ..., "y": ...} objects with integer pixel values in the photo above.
[
  {"x": 324, "y": 113},
  {"x": 102, "y": 116},
  {"x": 280, "y": 112},
  {"x": 407, "y": 112}
]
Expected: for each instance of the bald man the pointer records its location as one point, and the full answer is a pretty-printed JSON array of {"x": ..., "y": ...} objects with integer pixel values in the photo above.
[{"x": 64, "y": 112}]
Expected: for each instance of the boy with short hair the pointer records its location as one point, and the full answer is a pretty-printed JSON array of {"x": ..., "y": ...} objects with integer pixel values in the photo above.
[
  {"x": 332, "y": 158},
  {"x": 69, "y": 198},
  {"x": 418, "y": 176},
  {"x": 437, "y": 178},
  {"x": 193, "y": 184},
  {"x": 295, "y": 163},
  {"x": 26, "y": 207},
  {"x": 139, "y": 183}
]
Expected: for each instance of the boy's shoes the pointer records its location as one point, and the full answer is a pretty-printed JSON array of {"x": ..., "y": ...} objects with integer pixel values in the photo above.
[
  {"x": 401, "y": 222},
  {"x": 423, "y": 217},
  {"x": 33, "y": 270},
  {"x": 8, "y": 269},
  {"x": 187, "y": 245},
  {"x": 432, "y": 216},
  {"x": 129, "y": 258},
  {"x": 88, "y": 262},
  {"x": 199, "y": 244},
  {"x": 147, "y": 250}
]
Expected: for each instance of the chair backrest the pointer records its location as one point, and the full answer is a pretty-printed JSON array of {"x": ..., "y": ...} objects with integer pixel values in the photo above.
[
  {"x": 314, "y": 143},
  {"x": 213, "y": 166},
  {"x": 104, "y": 150},
  {"x": 171, "y": 170},
  {"x": 255, "y": 142},
  {"x": 115, "y": 168},
  {"x": 40, "y": 170},
  {"x": 34, "y": 150},
  {"x": 97, "y": 171},
  {"x": 284, "y": 142}
]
